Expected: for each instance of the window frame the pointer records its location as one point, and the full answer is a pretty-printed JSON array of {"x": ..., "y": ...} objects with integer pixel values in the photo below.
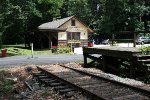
[
  {"x": 73, "y": 22},
  {"x": 73, "y": 35}
]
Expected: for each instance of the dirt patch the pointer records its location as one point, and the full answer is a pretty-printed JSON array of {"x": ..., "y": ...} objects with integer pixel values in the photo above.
[
  {"x": 13, "y": 87},
  {"x": 18, "y": 90}
]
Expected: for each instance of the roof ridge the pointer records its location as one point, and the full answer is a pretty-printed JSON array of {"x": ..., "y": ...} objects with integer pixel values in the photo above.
[
  {"x": 55, "y": 23},
  {"x": 67, "y": 18},
  {"x": 63, "y": 18}
]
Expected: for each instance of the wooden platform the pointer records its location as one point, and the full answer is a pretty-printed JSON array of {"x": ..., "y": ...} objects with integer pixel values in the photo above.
[
  {"x": 113, "y": 51},
  {"x": 112, "y": 57}
]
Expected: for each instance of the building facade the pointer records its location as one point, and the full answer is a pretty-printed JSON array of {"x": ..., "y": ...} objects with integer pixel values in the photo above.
[{"x": 67, "y": 31}]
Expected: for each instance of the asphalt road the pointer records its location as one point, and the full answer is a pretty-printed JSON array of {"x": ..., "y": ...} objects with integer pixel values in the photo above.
[
  {"x": 49, "y": 59},
  {"x": 40, "y": 59}
]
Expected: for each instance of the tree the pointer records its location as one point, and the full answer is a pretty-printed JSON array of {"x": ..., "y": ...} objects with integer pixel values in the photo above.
[
  {"x": 14, "y": 21},
  {"x": 4, "y": 11},
  {"x": 87, "y": 10},
  {"x": 64, "y": 9},
  {"x": 49, "y": 9},
  {"x": 123, "y": 15},
  {"x": 78, "y": 8},
  {"x": 104, "y": 16},
  {"x": 19, "y": 16}
]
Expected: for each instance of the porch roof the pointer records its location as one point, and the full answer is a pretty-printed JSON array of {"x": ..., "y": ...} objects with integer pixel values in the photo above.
[{"x": 54, "y": 30}]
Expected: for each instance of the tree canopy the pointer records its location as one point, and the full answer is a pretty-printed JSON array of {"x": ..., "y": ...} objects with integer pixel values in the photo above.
[{"x": 103, "y": 16}]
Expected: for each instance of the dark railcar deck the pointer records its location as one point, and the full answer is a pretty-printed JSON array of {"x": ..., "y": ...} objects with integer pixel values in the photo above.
[
  {"x": 113, "y": 57},
  {"x": 113, "y": 51}
]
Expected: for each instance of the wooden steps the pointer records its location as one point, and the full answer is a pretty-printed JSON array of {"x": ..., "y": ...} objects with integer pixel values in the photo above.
[
  {"x": 143, "y": 62},
  {"x": 143, "y": 59},
  {"x": 142, "y": 56}
]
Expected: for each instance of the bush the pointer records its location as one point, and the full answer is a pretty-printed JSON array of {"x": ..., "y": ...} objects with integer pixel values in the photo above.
[
  {"x": 63, "y": 49},
  {"x": 145, "y": 50},
  {"x": 6, "y": 86},
  {"x": 54, "y": 50}
]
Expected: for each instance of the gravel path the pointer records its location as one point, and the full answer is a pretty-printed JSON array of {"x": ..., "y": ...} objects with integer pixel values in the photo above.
[{"x": 40, "y": 59}]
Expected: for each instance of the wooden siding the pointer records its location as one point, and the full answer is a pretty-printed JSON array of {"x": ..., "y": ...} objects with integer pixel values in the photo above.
[
  {"x": 84, "y": 43},
  {"x": 62, "y": 36},
  {"x": 79, "y": 27},
  {"x": 65, "y": 42},
  {"x": 62, "y": 42}
]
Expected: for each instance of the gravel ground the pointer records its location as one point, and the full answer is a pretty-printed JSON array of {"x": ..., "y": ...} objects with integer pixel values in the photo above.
[
  {"x": 47, "y": 93},
  {"x": 40, "y": 91},
  {"x": 106, "y": 75}
]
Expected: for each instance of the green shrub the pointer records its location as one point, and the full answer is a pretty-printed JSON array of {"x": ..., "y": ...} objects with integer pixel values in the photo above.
[
  {"x": 54, "y": 50},
  {"x": 145, "y": 50},
  {"x": 63, "y": 49},
  {"x": 147, "y": 79},
  {"x": 6, "y": 86}
]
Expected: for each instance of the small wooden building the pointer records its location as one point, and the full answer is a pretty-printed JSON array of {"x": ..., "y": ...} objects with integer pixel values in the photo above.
[{"x": 66, "y": 31}]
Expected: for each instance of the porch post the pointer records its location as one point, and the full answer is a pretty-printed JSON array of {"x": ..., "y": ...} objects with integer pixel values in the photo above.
[
  {"x": 71, "y": 42},
  {"x": 49, "y": 41},
  {"x": 113, "y": 37},
  {"x": 134, "y": 39}
]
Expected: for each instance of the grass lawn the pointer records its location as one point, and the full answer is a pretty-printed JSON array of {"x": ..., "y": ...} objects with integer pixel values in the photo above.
[{"x": 16, "y": 50}]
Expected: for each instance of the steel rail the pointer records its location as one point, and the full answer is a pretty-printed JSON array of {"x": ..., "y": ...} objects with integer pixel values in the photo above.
[
  {"x": 145, "y": 92},
  {"x": 96, "y": 97},
  {"x": 140, "y": 89}
]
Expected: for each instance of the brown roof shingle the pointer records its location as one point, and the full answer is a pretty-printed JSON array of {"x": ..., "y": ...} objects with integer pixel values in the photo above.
[{"x": 54, "y": 24}]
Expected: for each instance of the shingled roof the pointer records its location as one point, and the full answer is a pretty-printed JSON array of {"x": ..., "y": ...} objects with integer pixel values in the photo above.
[{"x": 54, "y": 24}]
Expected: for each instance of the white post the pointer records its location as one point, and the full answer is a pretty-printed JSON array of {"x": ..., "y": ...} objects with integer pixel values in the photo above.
[
  {"x": 32, "y": 49},
  {"x": 71, "y": 46},
  {"x": 50, "y": 42},
  {"x": 71, "y": 42}
]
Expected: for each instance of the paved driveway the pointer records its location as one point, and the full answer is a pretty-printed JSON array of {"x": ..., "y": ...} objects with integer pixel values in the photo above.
[{"x": 40, "y": 59}]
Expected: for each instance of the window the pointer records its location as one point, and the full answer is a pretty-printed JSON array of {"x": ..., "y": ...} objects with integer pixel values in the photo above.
[
  {"x": 73, "y": 22},
  {"x": 76, "y": 36},
  {"x": 73, "y": 36},
  {"x": 69, "y": 36}
]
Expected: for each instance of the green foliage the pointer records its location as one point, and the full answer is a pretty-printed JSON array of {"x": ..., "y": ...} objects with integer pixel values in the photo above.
[
  {"x": 136, "y": 9},
  {"x": 123, "y": 15},
  {"x": 147, "y": 79},
  {"x": 145, "y": 50},
  {"x": 18, "y": 17},
  {"x": 54, "y": 50},
  {"x": 6, "y": 86},
  {"x": 86, "y": 10},
  {"x": 63, "y": 49},
  {"x": 49, "y": 8},
  {"x": 13, "y": 50},
  {"x": 104, "y": 16}
]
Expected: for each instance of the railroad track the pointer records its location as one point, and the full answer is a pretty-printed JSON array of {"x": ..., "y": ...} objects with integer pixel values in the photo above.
[{"x": 68, "y": 79}]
